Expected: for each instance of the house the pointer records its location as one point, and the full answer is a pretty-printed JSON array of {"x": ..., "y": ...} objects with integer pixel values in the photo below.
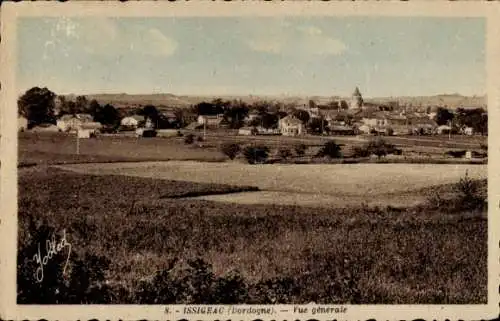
[
  {"x": 254, "y": 114},
  {"x": 341, "y": 129},
  {"x": 72, "y": 122},
  {"x": 133, "y": 121},
  {"x": 210, "y": 120},
  {"x": 291, "y": 126},
  {"x": 443, "y": 129},
  {"x": 22, "y": 123},
  {"x": 247, "y": 131}
]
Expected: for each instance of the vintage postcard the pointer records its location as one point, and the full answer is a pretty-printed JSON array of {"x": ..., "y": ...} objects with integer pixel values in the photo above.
[{"x": 242, "y": 161}]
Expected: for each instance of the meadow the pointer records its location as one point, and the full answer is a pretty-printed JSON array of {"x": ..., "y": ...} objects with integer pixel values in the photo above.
[
  {"x": 317, "y": 184},
  {"x": 135, "y": 241}
]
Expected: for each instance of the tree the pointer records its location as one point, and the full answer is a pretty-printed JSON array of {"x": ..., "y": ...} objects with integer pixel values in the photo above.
[
  {"x": 81, "y": 105},
  {"x": 300, "y": 149},
  {"x": 302, "y": 115},
  {"x": 150, "y": 112},
  {"x": 330, "y": 149},
  {"x": 107, "y": 115},
  {"x": 231, "y": 150},
  {"x": 37, "y": 105},
  {"x": 379, "y": 147},
  {"x": 236, "y": 114},
  {"x": 317, "y": 125},
  {"x": 94, "y": 107},
  {"x": 285, "y": 153},
  {"x": 443, "y": 116},
  {"x": 256, "y": 154}
]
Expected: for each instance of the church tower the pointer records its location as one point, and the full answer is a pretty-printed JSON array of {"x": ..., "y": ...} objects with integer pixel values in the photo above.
[{"x": 356, "y": 100}]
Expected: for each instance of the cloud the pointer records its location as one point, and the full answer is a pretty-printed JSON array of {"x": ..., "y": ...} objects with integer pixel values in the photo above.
[
  {"x": 103, "y": 36},
  {"x": 284, "y": 39}
]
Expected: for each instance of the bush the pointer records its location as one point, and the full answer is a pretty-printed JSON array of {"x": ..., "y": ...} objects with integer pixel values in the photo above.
[
  {"x": 469, "y": 194},
  {"x": 285, "y": 153},
  {"x": 456, "y": 153},
  {"x": 189, "y": 139},
  {"x": 359, "y": 151},
  {"x": 256, "y": 154},
  {"x": 200, "y": 138},
  {"x": 300, "y": 149},
  {"x": 380, "y": 147},
  {"x": 330, "y": 149},
  {"x": 231, "y": 150}
]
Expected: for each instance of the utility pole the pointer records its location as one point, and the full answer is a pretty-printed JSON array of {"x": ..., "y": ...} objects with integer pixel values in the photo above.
[
  {"x": 77, "y": 142},
  {"x": 204, "y": 128}
]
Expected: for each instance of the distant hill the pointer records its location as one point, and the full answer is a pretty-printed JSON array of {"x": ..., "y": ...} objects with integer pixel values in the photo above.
[
  {"x": 170, "y": 100},
  {"x": 452, "y": 101}
]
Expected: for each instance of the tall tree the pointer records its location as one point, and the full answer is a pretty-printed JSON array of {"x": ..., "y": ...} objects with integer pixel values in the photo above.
[
  {"x": 81, "y": 104},
  {"x": 443, "y": 116},
  {"x": 37, "y": 105},
  {"x": 107, "y": 115},
  {"x": 302, "y": 115}
]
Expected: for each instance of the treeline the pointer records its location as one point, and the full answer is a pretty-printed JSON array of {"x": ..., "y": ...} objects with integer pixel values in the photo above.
[{"x": 476, "y": 118}]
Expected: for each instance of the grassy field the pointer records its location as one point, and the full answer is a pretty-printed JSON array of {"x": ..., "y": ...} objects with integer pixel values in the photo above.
[
  {"x": 134, "y": 244},
  {"x": 321, "y": 185},
  {"x": 59, "y": 148}
]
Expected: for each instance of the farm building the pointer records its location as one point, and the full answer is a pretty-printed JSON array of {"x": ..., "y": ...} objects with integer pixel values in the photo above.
[
  {"x": 247, "y": 131},
  {"x": 466, "y": 130},
  {"x": 291, "y": 126},
  {"x": 339, "y": 129},
  {"x": 210, "y": 120},
  {"x": 132, "y": 121},
  {"x": 22, "y": 123},
  {"x": 72, "y": 122},
  {"x": 443, "y": 129}
]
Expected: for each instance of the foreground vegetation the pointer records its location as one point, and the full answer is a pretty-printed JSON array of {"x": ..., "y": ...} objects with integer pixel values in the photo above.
[{"x": 133, "y": 243}]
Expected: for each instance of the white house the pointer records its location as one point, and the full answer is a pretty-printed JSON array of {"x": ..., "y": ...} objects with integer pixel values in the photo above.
[
  {"x": 132, "y": 121},
  {"x": 291, "y": 126},
  {"x": 72, "y": 122},
  {"x": 210, "y": 120}
]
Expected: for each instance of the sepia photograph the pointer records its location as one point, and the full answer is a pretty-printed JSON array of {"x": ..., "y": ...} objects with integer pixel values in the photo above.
[{"x": 238, "y": 159}]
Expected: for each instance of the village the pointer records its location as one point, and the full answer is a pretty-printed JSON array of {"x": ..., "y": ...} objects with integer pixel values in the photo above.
[{"x": 349, "y": 122}]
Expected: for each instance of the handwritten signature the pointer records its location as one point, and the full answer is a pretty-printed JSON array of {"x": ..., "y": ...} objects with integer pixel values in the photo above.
[{"x": 52, "y": 248}]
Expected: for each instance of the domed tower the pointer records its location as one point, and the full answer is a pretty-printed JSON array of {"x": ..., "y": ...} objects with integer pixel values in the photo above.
[{"x": 356, "y": 100}]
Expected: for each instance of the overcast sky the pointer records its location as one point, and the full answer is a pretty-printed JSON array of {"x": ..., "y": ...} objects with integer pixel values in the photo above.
[{"x": 384, "y": 56}]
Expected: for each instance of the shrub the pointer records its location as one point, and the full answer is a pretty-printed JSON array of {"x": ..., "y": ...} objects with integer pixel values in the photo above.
[
  {"x": 300, "y": 149},
  {"x": 189, "y": 139},
  {"x": 200, "y": 138},
  {"x": 456, "y": 153},
  {"x": 469, "y": 194},
  {"x": 285, "y": 153},
  {"x": 231, "y": 150},
  {"x": 330, "y": 149},
  {"x": 379, "y": 147},
  {"x": 360, "y": 151},
  {"x": 256, "y": 154}
]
